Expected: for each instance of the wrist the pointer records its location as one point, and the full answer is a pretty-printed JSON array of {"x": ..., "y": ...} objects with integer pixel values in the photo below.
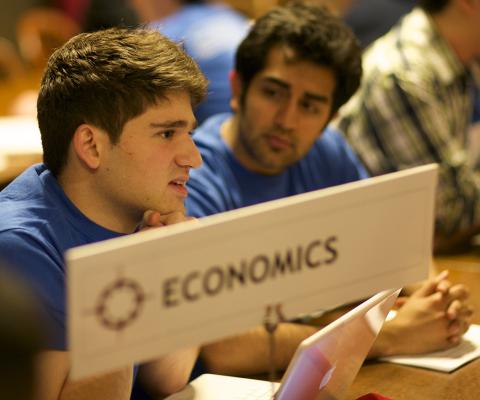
[{"x": 385, "y": 345}]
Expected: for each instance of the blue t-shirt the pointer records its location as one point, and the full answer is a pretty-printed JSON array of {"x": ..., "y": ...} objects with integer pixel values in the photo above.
[
  {"x": 223, "y": 184},
  {"x": 210, "y": 33},
  {"x": 38, "y": 224}
]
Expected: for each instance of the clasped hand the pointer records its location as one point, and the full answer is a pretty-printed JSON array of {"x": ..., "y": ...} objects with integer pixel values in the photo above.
[
  {"x": 433, "y": 318},
  {"x": 154, "y": 219}
]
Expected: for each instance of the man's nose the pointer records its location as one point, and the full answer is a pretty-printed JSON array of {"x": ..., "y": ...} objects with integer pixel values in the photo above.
[
  {"x": 189, "y": 156},
  {"x": 286, "y": 117}
]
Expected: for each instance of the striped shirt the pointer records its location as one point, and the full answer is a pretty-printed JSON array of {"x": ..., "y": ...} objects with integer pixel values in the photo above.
[{"x": 415, "y": 107}]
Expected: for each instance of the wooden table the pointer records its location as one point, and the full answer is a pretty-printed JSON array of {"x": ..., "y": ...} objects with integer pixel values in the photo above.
[
  {"x": 401, "y": 382},
  {"x": 406, "y": 383}
]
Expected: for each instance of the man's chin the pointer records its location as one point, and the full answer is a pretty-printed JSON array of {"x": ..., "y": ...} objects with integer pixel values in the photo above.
[{"x": 172, "y": 208}]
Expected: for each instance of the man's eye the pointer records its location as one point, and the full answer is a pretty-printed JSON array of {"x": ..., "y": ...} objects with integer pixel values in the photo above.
[
  {"x": 310, "y": 107},
  {"x": 271, "y": 92},
  {"x": 167, "y": 134}
]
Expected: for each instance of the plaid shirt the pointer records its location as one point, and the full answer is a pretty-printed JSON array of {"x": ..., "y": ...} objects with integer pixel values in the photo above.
[{"x": 415, "y": 107}]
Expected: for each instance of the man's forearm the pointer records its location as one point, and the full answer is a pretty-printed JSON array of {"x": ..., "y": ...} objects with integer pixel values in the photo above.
[
  {"x": 248, "y": 353},
  {"x": 53, "y": 382},
  {"x": 112, "y": 386},
  {"x": 168, "y": 374}
]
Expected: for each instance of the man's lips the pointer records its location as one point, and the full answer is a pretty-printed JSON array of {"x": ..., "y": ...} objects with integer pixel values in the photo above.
[
  {"x": 278, "y": 142},
  {"x": 178, "y": 185}
]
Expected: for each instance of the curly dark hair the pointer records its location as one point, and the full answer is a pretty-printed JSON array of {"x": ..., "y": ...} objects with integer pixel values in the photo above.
[
  {"x": 314, "y": 34},
  {"x": 106, "y": 78}
]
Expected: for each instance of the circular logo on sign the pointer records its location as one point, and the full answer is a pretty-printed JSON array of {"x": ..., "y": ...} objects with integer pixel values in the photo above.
[{"x": 119, "y": 304}]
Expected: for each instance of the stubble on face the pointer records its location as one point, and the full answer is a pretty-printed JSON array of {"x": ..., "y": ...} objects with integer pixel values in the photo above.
[{"x": 261, "y": 147}]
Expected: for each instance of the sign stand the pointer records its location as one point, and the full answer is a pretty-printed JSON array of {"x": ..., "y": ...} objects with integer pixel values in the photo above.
[{"x": 273, "y": 316}]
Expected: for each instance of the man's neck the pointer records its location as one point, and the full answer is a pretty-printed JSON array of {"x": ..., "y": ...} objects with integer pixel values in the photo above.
[
  {"x": 230, "y": 133},
  {"x": 455, "y": 30}
]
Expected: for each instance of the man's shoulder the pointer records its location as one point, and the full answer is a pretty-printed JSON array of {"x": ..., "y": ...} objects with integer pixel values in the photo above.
[
  {"x": 411, "y": 52},
  {"x": 24, "y": 224},
  {"x": 207, "y": 136},
  {"x": 331, "y": 152},
  {"x": 30, "y": 211},
  {"x": 20, "y": 199},
  {"x": 330, "y": 144}
]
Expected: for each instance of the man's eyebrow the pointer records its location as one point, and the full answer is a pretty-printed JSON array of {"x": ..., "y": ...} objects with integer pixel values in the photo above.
[
  {"x": 276, "y": 81},
  {"x": 285, "y": 85},
  {"x": 317, "y": 97},
  {"x": 181, "y": 123}
]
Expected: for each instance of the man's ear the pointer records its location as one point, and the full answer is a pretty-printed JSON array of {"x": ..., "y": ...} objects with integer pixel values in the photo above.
[
  {"x": 236, "y": 87},
  {"x": 87, "y": 145}
]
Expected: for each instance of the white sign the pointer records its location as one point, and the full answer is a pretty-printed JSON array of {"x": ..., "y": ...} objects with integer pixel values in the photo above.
[{"x": 138, "y": 297}]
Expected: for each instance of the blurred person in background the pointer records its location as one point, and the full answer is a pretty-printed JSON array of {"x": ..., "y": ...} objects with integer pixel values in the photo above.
[
  {"x": 418, "y": 104},
  {"x": 209, "y": 31},
  {"x": 368, "y": 19}
]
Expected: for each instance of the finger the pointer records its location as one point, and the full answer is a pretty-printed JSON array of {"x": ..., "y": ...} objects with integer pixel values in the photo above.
[
  {"x": 152, "y": 218},
  {"x": 438, "y": 301},
  {"x": 454, "y": 340},
  {"x": 459, "y": 292},
  {"x": 427, "y": 288},
  {"x": 465, "y": 326},
  {"x": 458, "y": 327},
  {"x": 441, "y": 276},
  {"x": 454, "y": 309},
  {"x": 465, "y": 312},
  {"x": 444, "y": 286},
  {"x": 174, "y": 218},
  {"x": 401, "y": 301}
]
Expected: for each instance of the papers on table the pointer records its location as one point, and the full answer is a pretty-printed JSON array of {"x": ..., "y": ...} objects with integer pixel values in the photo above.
[{"x": 446, "y": 360}]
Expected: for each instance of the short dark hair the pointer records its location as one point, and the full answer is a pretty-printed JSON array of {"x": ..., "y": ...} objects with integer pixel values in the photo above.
[
  {"x": 106, "y": 78},
  {"x": 433, "y": 6},
  {"x": 313, "y": 34}
]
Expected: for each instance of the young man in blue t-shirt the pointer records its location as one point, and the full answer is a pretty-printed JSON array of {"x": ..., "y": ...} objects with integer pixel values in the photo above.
[
  {"x": 115, "y": 115},
  {"x": 294, "y": 69}
]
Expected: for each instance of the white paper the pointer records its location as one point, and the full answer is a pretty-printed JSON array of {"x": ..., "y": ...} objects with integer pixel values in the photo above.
[
  {"x": 446, "y": 360},
  {"x": 138, "y": 297}
]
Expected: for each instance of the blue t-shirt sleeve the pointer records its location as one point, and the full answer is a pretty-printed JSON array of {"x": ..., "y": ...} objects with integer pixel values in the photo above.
[
  {"x": 205, "y": 196},
  {"x": 355, "y": 165},
  {"x": 211, "y": 188},
  {"x": 343, "y": 158},
  {"x": 42, "y": 269}
]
